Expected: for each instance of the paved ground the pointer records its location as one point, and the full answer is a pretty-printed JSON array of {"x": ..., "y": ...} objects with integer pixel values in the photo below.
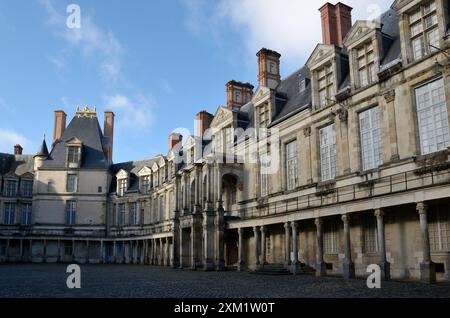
[{"x": 49, "y": 280}]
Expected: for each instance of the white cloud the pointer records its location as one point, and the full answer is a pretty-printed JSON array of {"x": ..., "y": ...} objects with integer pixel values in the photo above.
[
  {"x": 135, "y": 113},
  {"x": 9, "y": 138},
  {"x": 90, "y": 40},
  {"x": 291, "y": 27}
]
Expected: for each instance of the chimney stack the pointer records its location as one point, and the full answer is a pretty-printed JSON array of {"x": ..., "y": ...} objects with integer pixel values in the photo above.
[
  {"x": 174, "y": 139},
  {"x": 60, "y": 125},
  {"x": 18, "y": 149},
  {"x": 203, "y": 120},
  {"x": 268, "y": 68},
  {"x": 336, "y": 22},
  {"x": 238, "y": 94},
  {"x": 108, "y": 132}
]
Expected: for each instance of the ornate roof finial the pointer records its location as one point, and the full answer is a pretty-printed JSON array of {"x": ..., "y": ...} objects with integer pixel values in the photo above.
[{"x": 86, "y": 112}]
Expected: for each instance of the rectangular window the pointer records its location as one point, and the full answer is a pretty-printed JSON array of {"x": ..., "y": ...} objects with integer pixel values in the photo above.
[
  {"x": 370, "y": 135},
  {"x": 327, "y": 137},
  {"x": 432, "y": 117},
  {"x": 229, "y": 138},
  {"x": 26, "y": 214},
  {"x": 367, "y": 69},
  {"x": 133, "y": 214},
  {"x": 263, "y": 116},
  {"x": 121, "y": 219},
  {"x": 424, "y": 30},
  {"x": 161, "y": 209},
  {"x": 27, "y": 188},
  {"x": 10, "y": 189},
  {"x": 330, "y": 238},
  {"x": 265, "y": 174},
  {"x": 326, "y": 85},
  {"x": 439, "y": 230},
  {"x": 291, "y": 165},
  {"x": 122, "y": 188},
  {"x": 142, "y": 216},
  {"x": 73, "y": 154},
  {"x": 370, "y": 234},
  {"x": 71, "y": 183},
  {"x": 9, "y": 213},
  {"x": 145, "y": 183},
  {"x": 71, "y": 208}
]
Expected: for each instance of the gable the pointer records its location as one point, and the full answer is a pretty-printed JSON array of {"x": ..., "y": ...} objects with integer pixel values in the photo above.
[
  {"x": 223, "y": 114},
  {"x": 359, "y": 30},
  {"x": 122, "y": 174},
  {"x": 402, "y": 5},
  {"x": 27, "y": 175},
  {"x": 260, "y": 95},
  {"x": 321, "y": 52},
  {"x": 145, "y": 171}
]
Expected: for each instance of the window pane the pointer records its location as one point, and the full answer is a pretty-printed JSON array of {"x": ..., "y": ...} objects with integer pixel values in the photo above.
[
  {"x": 370, "y": 135},
  {"x": 327, "y": 139}
]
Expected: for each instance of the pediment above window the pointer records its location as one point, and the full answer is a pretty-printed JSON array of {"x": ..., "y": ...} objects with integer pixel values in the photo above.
[
  {"x": 10, "y": 175},
  {"x": 223, "y": 117},
  {"x": 360, "y": 32},
  {"x": 122, "y": 174},
  {"x": 145, "y": 171},
  {"x": 322, "y": 53},
  {"x": 74, "y": 142},
  {"x": 404, "y": 5},
  {"x": 261, "y": 95},
  {"x": 190, "y": 142},
  {"x": 27, "y": 175},
  {"x": 155, "y": 167}
]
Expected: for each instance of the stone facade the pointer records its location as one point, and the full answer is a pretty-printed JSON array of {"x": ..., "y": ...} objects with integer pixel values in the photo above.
[{"x": 360, "y": 169}]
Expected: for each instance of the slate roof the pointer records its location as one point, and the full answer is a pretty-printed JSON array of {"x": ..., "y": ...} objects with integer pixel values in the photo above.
[
  {"x": 18, "y": 164},
  {"x": 132, "y": 167},
  {"x": 86, "y": 129}
]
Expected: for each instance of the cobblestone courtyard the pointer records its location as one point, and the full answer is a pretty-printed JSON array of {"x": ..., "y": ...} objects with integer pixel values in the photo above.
[{"x": 49, "y": 280}]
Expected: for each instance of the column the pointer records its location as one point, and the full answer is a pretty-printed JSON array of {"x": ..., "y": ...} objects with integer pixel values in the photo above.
[
  {"x": 256, "y": 249},
  {"x": 7, "y": 250},
  {"x": 198, "y": 184},
  {"x": 87, "y": 251},
  {"x": 321, "y": 269},
  {"x": 181, "y": 250},
  {"x": 45, "y": 251},
  {"x": 241, "y": 250},
  {"x": 176, "y": 244},
  {"x": 160, "y": 253},
  {"x": 348, "y": 267},
  {"x": 384, "y": 264},
  {"x": 295, "y": 263},
  {"x": 287, "y": 250},
  {"x": 59, "y": 251},
  {"x": 102, "y": 252},
  {"x": 114, "y": 252},
  {"x": 30, "y": 251},
  {"x": 167, "y": 251},
  {"x": 263, "y": 245},
  {"x": 21, "y": 250},
  {"x": 219, "y": 238},
  {"x": 427, "y": 267}
]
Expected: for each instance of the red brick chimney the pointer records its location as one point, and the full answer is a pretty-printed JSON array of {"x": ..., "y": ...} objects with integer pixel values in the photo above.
[
  {"x": 268, "y": 68},
  {"x": 60, "y": 124},
  {"x": 203, "y": 120},
  {"x": 108, "y": 132},
  {"x": 336, "y": 22},
  {"x": 18, "y": 149},
  {"x": 238, "y": 94},
  {"x": 174, "y": 139}
]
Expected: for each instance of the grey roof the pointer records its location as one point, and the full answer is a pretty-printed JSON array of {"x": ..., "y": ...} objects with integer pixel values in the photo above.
[
  {"x": 18, "y": 164},
  {"x": 43, "y": 150},
  {"x": 86, "y": 129},
  {"x": 132, "y": 167},
  {"x": 289, "y": 99}
]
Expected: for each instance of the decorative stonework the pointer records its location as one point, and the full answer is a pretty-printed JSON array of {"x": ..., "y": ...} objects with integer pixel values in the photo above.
[
  {"x": 307, "y": 131},
  {"x": 389, "y": 96},
  {"x": 86, "y": 112}
]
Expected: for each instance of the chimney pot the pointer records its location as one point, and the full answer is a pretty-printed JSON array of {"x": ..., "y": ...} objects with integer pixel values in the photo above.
[
  {"x": 174, "y": 139},
  {"x": 238, "y": 94},
  {"x": 336, "y": 22},
  {"x": 268, "y": 68},
  {"x": 108, "y": 132},
  {"x": 59, "y": 125},
  {"x": 204, "y": 120},
  {"x": 18, "y": 149}
]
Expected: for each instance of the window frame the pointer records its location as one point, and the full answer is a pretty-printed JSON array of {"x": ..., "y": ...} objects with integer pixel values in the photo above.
[
  {"x": 71, "y": 210},
  {"x": 372, "y": 143},
  {"x": 332, "y": 153},
  {"x": 291, "y": 165}
]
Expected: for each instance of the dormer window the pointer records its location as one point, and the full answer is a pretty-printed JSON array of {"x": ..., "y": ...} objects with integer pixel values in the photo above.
[
  {"x": 367, "y": 71},
  {"x": 122, "y": 187},
  {"x": 302, "y": 85},
  {"x": 424, "y": 30},
  {"x": 145, "y": 183},
  {"x": 263, "y": 116},
  {"x": 10, "y": 188},
  {"x": 72, "y": 156},
  {"x": 325, "y": 82}
]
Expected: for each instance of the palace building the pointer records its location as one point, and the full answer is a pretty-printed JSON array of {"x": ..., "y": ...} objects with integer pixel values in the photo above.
[{"x": 351, "y": 168}]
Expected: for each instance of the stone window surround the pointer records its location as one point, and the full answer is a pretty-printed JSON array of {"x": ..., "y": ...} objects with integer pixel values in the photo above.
[
  {"x": 294, "y": 137},
  {"x": 317, "y": 135},
  {"x": 76, "y": 181},
  {"x": 16, "y": 191},
  {"x": 404, "y": 13},
  {"x": 22, "y": 192}
]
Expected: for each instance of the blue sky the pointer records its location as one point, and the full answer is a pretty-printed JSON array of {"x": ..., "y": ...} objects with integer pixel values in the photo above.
[{"x": 154, "y": 63}]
